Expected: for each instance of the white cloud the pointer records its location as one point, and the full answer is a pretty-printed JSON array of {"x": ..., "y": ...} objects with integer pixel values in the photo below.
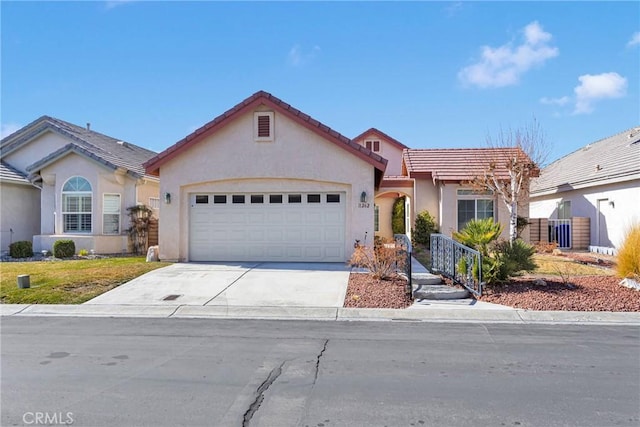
[
  {"x": 635, "y": 39},
  {"x": 297, "y": 57},
  {"x": 504, "y": 65},
  {"x": 595, "y": 87},
  {"x": 555, "y": 101},
  {"x": 453, "y": 8},
  {"x": 7, "y": 129}
]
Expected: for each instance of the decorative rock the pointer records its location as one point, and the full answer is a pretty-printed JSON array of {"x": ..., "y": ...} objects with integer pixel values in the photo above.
[
  {"x": 153, "y": 254},
  {"x": 630, "y": 283},
  {"x": 540, "y": 282}
]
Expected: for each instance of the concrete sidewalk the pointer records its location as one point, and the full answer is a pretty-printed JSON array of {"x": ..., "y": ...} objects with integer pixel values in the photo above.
[{"x": 442, "y": 314}]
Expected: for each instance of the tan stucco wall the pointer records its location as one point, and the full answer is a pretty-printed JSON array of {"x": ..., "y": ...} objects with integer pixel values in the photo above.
[
  {"x": 230, "y": 160},
  {"x": 20, "y": 213},
  {"x": 427, "y": 199},
  {"x": 385, "y": 203},
  {"x": 146, "y": 189},
  {"x": 103, "y": 181},
  {"x": 389, "y": 151},
  {"x": 35, "y": 150}
]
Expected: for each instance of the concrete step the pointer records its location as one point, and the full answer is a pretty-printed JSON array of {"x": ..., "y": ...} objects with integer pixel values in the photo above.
[
  {"x": 425, "y": 279},
  {"x": 439, "y": 292}
]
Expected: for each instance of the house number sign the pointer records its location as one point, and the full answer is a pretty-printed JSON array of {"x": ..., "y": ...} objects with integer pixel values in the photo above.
[{"x": 363, "y": 205}]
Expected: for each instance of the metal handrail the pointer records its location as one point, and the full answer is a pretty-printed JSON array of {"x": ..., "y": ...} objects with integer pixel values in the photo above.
[
  {"x": 458, "y": 262},
  {"x": 404, "y": 241}
]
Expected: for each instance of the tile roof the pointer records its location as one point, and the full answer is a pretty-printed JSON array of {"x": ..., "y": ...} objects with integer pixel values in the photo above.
[
  {"x": 9, "y": 173},
  {"x": 381, "y": 135},
  {"x": 258, "y": 98},
  {"x": 612, "y": 159},
  {"x": 111, "y": 152},
  {"x": 457, "y": 164}
]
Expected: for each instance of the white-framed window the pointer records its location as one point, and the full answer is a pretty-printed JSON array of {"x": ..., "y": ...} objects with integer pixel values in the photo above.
[
  {"x": 154, "y": 202},
  {"x": 263, "y": 126},
  {"x": 77, "y": 205},
  {"x": 373, "y": 145},
  {"x": 474, "y": 204},
  {"x": 110, "y": 213},
  {"x": 376, "y": 218}
]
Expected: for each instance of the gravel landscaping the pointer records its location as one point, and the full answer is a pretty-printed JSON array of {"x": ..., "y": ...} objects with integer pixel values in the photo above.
[
  {"x": 548, "y": 293},
  {"x": 582, "y": 293},
  {"x": 365, "y": 292}
]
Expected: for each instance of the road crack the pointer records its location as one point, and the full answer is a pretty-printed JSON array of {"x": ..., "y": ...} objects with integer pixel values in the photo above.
[
  {"x": 324, "y": 347},
  {"x": 255, "y": 405}
]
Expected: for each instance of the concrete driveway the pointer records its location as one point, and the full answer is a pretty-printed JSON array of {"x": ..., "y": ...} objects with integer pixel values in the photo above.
[{"x": 235, "y": 284}]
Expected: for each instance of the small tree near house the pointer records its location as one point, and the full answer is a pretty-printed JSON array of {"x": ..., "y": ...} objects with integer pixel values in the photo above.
[{"x": 515, "y": 156}]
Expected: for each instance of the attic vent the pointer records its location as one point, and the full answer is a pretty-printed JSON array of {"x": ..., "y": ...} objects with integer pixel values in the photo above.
[
  {"x": 586, "y": 147},
  {"x": 263, "y": 126},
  {"x": 598, "y": 168},
  {"x": 120, "y": 143}
]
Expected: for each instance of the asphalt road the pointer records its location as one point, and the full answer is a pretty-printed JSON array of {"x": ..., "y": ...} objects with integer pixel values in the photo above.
[{"x": 182, "y": 372}]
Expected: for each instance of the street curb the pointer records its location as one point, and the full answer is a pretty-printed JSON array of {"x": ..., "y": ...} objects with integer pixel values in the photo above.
[{"x": 439, "y": 315}]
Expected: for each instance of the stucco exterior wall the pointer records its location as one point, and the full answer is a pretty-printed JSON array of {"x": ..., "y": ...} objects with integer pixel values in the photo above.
[
  {"x": 20, "y": 215},
  {"x": 426, "y": 199},
  {"x": 147, "y": 189},
  {"x": 103, "y": 181},
  {"x": 389, "y": 151},
  {"x": 385, "y": 205},
  {"x": 35, "y": 150},
  {"x": 584, "y": 203},
  {"x": 230, "y": 160}
]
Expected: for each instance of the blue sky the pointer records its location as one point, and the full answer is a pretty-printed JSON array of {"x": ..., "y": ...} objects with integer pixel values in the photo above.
[{"x": 430, "y": 74}]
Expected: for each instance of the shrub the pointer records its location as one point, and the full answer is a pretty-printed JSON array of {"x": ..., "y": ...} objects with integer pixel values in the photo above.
[
  {"x": 628, "y": 258},
  {"x": 397, "y": 220},
  {"x": 425, "y": 226},
  {"x": 500, "y": 259},
  {"x": 513, "y": 258},
  {"x": 21, "y": 249},
  {"x": 478, "y": 234},
  {"x": 382, "y": 260},
  {"x": 64, "y": 248},
  {"x": 546, "y": 247},
  {"x": 83, "y": 252}
]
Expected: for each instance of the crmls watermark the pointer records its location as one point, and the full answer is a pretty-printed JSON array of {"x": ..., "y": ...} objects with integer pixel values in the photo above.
[{"x": 47, "y": 418}]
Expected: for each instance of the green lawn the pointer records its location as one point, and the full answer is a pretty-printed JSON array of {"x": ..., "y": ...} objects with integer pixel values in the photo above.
[{"x": 69, "y": 282}]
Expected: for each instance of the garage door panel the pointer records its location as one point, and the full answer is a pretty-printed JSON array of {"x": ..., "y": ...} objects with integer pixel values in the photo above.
[{"x": 267, "y": 231}]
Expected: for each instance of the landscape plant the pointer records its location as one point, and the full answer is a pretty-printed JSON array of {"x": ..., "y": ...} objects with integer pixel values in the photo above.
[
  {"x": 501, "y": 259},
  {"x": 64, "y": 248},
  {"x": 383, "y": 260},
  {"x": 21, "y": 249},
  {"x": 397, "y": 219},
  {"x": 139, "y": 216},
  {"x": 628, "y": 258},
  {"x": 425, "y": 226}
]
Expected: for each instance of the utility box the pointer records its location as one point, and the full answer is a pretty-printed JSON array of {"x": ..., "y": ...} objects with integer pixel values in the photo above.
[{"x": 24, "y": 281}]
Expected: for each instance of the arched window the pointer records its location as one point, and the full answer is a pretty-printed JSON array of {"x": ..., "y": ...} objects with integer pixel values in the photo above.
[{"x": 76, "y": 205}]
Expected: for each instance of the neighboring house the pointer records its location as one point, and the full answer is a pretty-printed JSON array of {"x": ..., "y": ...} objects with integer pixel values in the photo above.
[
  {"x": 62, "y": 181},
  {"x": 266, "y": 182},
  {"x": 600, "y": 181}
]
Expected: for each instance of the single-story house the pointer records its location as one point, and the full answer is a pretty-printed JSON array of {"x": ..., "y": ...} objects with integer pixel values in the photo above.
[
  {"x": 266, "y": 182},
  {"x": 62, "y": 181},
  {"x": 601, "y": 182}
]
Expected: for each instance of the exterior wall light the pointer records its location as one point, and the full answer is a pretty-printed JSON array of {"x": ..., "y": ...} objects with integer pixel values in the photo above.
[
  {"x": 363, "y": 197},
  {"x": 612, "y": 203},
  {"x": 167, "y": 198}
]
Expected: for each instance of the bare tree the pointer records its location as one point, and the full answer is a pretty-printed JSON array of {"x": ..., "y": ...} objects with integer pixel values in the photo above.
[{"x": 513, "y": 157}]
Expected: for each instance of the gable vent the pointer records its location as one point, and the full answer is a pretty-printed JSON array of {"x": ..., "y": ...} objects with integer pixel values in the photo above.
[{"x": 264, "y": 126}]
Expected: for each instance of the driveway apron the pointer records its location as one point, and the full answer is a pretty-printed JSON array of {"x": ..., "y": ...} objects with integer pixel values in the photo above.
[{"x": 235, "y": 284}]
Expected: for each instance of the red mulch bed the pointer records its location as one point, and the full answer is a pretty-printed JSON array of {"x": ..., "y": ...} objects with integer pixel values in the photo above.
[
  {"x": 582, "y": 293},
  {"x": 364, "y": 291}
]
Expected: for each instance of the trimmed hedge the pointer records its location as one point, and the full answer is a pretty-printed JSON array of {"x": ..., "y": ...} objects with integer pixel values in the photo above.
[
  {"x": 21, "y": 249},
  {"x": 64, "y": 249}
]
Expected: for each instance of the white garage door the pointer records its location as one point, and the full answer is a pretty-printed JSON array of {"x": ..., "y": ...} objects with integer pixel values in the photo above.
[{"x": 267, "y": 227}]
